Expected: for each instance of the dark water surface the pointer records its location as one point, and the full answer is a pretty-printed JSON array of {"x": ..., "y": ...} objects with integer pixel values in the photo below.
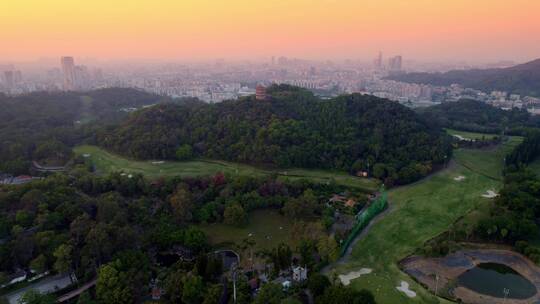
[{"x": 492, "y": 278}]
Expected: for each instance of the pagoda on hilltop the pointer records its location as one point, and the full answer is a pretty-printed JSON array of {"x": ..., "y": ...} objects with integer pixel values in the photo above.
[{"x": 260, "y": 92}]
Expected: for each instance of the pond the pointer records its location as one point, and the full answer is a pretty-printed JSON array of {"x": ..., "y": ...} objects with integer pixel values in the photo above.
[{"x": 492, "y": 279}]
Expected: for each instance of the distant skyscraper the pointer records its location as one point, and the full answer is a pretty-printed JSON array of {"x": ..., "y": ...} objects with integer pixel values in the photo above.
[
  {"x": 17, "y": 76},
  {"x": 68, "y": 68},
  {"x": 82, "y": 77},
  {"x": 394, "y": 63},
  {"x": 8, "y": 76},
  {"x": 378, "y": 62}
]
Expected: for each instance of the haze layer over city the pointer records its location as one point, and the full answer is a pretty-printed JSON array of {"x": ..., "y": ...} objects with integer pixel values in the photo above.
[{"x": 216, "y": 50}]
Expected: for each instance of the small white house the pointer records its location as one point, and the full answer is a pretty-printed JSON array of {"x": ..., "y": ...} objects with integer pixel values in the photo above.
[
  {"x": 299, "y": 274},
  {"x": 286, "y": 285}
]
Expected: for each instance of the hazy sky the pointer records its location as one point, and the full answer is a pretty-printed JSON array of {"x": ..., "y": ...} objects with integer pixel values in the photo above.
[{"x": 473, "y": 30}]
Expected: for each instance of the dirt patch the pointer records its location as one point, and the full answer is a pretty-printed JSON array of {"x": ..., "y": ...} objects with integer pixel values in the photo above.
[
  {"x": 441, "y": 273},
  {"x": 347, "y": 278}
]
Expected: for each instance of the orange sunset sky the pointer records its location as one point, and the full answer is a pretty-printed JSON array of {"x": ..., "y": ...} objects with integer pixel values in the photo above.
[{"x": 473, "y": 30}]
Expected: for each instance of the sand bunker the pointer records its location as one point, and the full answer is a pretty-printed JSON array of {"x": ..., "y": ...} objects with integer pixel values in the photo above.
[
  {"x": 405, "y": 289},
  {"x": 347, "y": 278},
  {"x": 462, "y": 138},
  {"x": 459, "y": 178},
  {"x": 490, "y": 194},
  {"x": 86, "y": 155},
  {"x": 157, "y": 162}
]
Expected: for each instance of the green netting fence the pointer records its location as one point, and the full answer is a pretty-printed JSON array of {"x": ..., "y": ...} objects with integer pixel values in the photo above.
[{"x": 363, "y": 219}]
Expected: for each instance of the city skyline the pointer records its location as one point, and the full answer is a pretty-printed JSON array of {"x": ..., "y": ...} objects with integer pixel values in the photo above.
[{"x": 238, "y": 29}]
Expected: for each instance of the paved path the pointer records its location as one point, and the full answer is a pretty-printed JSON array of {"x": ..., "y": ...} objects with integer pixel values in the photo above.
[
  {"x": 77, "y": 292},
  {"x": 47, "y": 285},
  {"x": 48, "y": 169}
]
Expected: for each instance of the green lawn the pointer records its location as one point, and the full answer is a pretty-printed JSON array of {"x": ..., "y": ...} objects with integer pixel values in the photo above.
[
  {"x": 267, "y": 227},
  {"x": 486, "y": 162},
  {"x": 419, "y": 212},
  {"x": 108, "y": 162},
  {"x": 470, "y": 135}
]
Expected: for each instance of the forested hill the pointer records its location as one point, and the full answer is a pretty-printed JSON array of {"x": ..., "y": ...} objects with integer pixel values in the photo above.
[
  {"x": 292, "y": 129},
  {"x": 521, "y": 79},
  {"x": 477, "y": 116},
  {"x": 50, "y": 122}
]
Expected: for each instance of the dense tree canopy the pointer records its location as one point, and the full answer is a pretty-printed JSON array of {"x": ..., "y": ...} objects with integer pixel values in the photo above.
[
  {"x": 42, "y": 126},
  {"x": 293, "y": 129},
  {"x": 477, "y": 116},
  {"x": 527, "y": 151}
]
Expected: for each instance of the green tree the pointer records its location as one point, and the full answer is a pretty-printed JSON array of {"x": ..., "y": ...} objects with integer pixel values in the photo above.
[
  {"x": 213, "y": 294},
  {"x": 193, "y": 289},
  {"x": 113, "y": 286},
  {"x": 63, "y": 255},
  {"x": 174, "y": 286},
  {"x": 317, "y": 284},
  {"x": 34, "y": 297},
  {"x": 85, "y": 298},
  {"x": 184, "y": 152},
  {"x": 302, "y": 206},
  {"x": 270, "y": 293},
  {"x": 24, "y": 218},
  {"x": 195, "y": 239},
  {"x": 235, "y": 215},
  {"x": 282, "y": 256},
  {"x": 182, "y": 204},
  {"x": 342, "y": 294},
  {"x": 39, "y": 264},
  {"x": 379, "y": 170},
  {"x": 291, "y": 301},
  {"x": 328, "y": 248}
]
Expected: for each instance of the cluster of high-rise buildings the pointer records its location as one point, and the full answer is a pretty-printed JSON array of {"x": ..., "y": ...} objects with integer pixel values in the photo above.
[
  {"x": 67, "y": 76},
  {"x": 78, "y": 77},
  {"x": 394, "y": 64},
  {"x": 11, "y": 76}
]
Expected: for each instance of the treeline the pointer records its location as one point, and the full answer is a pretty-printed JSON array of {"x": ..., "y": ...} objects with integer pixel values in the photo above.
[
  {"x": 31, "y": 125},
  {"x": 517, "y": 210},
  {"x": 527, "y": 151},
  {"x": 477, "y": 116},
  {"x": 292, "y": 129}
]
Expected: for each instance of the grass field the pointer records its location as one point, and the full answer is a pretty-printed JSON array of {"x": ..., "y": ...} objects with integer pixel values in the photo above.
[
  {"x": 108, "y": 162},
  {"x": 486, "y": 162},
  {"x": 267, "y": 227},
  {"x": 419, "y": 212},
  {"x": 470, "y": 135}
]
